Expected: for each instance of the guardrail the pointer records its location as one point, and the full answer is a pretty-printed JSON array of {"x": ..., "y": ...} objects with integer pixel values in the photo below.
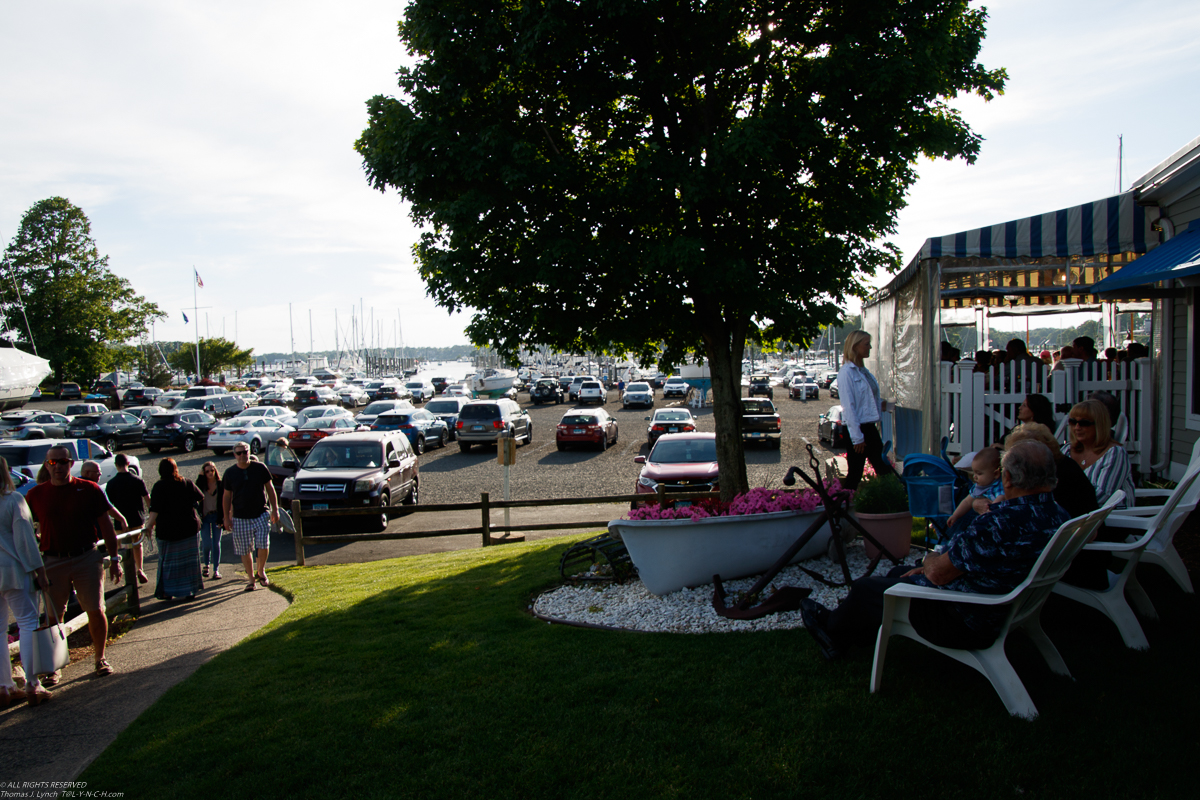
[
  {"x": 125, "y": 544},
  {"x": 485, "y": 530}
]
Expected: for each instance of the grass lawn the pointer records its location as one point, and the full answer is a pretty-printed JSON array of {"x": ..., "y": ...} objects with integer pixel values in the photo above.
[{"x": 425, "y": 677}]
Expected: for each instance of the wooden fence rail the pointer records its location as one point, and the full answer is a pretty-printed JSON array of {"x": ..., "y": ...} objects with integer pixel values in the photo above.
[{"x": 485, "y": 530}]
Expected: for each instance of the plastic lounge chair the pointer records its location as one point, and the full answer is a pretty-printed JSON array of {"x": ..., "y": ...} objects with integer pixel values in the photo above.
[
  {"x": 1025, "y": 605},
  {"x": 1161, "y": 549},
  {"x": 1111, "y": 601}
]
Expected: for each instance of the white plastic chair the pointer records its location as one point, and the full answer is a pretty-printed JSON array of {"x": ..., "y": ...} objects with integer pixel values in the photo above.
[
  {"x": 1111, "y": 601},
  {"x": 1025, "y": 605},
  {"x": 1161, "y": 549}
]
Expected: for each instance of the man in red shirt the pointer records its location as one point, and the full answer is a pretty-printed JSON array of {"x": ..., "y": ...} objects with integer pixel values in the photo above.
[{"x": 69, "y": 512}]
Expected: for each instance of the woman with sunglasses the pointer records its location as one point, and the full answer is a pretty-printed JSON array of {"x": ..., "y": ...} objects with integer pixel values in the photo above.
[
  {"x": 1091, "y": 446},
  {"x": 211, "y": 519}
]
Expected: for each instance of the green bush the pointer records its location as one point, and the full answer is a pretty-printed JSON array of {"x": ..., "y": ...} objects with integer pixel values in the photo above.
[{"x": 881, "y": 495}]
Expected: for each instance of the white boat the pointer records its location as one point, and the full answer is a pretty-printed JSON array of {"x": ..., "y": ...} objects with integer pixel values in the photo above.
[
  {"x": 494, "y": 380},
  {"x": 20, "y": 374}
]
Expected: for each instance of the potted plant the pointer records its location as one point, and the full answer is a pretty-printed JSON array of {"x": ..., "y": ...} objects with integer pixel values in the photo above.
[
  {"x": 881, "y": 507},
  {"x": 685, "y": 545}
]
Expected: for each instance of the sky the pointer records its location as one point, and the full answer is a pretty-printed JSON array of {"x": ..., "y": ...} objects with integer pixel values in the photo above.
[{"x": 218, "y": 137}]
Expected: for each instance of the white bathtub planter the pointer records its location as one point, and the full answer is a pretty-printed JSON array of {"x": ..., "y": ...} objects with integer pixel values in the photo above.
[{"x": 672, "y": 554}]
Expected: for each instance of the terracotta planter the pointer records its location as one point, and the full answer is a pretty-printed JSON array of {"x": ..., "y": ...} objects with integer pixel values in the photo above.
[
  {"x": 673, "y": 554},
  {"x": 893, "y": 531}
]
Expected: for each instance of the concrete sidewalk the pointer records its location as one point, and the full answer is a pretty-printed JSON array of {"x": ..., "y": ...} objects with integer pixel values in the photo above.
[{"x": 56, "y": 740}]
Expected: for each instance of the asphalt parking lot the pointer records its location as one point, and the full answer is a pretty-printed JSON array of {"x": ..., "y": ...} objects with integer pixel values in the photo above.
[{"x": 541, "y": 470}]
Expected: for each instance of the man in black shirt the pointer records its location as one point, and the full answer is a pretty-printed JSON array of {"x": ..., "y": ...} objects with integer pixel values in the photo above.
[
  {"x": 248, "y": 492},
  {"x": 127, "y": 492}
]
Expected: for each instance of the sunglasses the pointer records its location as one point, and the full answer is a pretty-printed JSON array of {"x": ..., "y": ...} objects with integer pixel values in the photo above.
[
  {"x": 1083, "y": 423},
  {"x": 58, "y": 462},
  {"x": 241, "y": 452}
]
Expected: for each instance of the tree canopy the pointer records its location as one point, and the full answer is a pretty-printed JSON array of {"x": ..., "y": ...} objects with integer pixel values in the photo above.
[
  {"x": 629, "y": 174},
  {"x": 215, "y": 355},
  {"x": 55, "y": 277}
]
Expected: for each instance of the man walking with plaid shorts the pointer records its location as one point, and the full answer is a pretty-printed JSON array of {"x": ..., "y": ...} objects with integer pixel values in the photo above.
[{"x": 248, "y": 492}]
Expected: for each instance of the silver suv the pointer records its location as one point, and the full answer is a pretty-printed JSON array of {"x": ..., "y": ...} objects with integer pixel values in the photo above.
[{"x": 485, "y": 421}]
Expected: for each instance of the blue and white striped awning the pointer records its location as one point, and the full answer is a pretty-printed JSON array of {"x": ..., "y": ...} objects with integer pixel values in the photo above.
[{"x": 1113, "y": 225}]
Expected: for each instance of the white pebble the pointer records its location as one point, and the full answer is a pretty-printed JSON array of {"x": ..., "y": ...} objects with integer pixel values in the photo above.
[{"x": 630, "y": 606}]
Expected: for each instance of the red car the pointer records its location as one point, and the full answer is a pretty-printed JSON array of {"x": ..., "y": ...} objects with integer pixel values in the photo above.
[
  {"x": 316, "y": 429},
  {"x": 680, "y": 462},
  {"x": 586, "y": 426}
]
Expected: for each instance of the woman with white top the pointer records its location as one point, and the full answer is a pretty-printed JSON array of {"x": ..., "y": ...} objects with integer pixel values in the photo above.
[
  {"x": 861, "y": 410},
  {"x": 20, "y": 565}
]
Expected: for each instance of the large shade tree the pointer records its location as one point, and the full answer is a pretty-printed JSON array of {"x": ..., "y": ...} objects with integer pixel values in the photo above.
[
  {"x": 57, "y": 289},
  {"x": 628, "y": 174}
]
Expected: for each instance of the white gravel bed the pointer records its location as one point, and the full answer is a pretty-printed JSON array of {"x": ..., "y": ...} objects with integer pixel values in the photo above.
[{"x": 632, "y": 607}]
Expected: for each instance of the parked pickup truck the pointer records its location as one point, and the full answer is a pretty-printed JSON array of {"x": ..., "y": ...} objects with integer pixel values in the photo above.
[{"x": 760, "y": 421}]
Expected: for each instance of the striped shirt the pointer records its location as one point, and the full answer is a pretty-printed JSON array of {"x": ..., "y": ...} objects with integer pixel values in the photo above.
[{"x": 1110, "y": 472}]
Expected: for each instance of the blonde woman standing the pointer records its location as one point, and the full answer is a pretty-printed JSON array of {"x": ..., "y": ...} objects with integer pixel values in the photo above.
[
  {"x": 861, "y": 410},
  {"x": 20, "y": 565}
]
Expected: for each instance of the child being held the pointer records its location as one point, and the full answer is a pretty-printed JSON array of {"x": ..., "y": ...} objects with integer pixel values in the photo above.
[{"x": 988, "y": 488}]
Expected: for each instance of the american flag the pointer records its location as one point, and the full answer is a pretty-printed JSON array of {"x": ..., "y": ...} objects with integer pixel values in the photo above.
[{"x": 199, "y": 282}]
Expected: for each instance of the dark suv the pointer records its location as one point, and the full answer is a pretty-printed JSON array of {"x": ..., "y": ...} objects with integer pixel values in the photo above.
[
  {"x": 218, "y": 405},
  {"x": 353, "y": 470},
  {"x": 316, "y": 396},
  {"x": 187, "y": 429},
  {"x": 485, "y": 421},
  {"x": 69, "y": 391},
  {"x": 114, "y": 428},
  {"x": 761, "y": 385}
]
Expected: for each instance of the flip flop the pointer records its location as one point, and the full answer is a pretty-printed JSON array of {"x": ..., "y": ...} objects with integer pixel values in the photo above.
[
  {"x": 103, "y": 667},
  {"x": 250, "y": 587}
]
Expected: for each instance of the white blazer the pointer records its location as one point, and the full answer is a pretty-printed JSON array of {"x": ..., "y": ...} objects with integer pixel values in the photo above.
[{"x": 859, "y": 393}]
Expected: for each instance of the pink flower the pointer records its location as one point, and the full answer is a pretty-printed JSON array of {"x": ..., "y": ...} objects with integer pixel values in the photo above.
[{"x": 755, "y": 501}]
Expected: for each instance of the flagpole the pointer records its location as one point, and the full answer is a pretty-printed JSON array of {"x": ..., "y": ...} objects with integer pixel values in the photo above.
[{"x": 196, "y": 316}]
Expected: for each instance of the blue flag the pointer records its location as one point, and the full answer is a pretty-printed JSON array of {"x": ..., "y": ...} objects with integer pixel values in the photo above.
[{"x": 185, "y": 319}]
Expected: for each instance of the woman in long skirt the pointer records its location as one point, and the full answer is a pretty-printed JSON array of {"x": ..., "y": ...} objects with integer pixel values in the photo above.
[{"x": 176, "y": 526}]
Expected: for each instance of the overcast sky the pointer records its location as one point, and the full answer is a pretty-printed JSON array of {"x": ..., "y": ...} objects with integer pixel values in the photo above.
[{"x": 219, "y": 135}]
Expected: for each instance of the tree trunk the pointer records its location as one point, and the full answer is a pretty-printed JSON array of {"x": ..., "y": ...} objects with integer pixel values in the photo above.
[{"x": 724, "y": 348}]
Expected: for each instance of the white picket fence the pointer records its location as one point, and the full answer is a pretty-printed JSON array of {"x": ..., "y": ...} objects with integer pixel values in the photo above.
[{"x": 978, "y": 407}]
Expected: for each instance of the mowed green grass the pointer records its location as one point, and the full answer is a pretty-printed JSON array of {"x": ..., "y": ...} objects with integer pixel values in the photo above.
[{"x": 427, "y": 677}]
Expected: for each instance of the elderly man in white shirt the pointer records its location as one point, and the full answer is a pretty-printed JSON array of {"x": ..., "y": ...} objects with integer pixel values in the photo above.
[{"x": 861, "y": 409}]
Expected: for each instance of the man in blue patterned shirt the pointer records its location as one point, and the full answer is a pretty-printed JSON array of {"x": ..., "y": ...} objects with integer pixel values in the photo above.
[{"x": 992, "y": 556}]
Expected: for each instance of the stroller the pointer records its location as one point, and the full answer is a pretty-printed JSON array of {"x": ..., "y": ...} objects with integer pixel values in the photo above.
[{"x": 935, "y": 488}]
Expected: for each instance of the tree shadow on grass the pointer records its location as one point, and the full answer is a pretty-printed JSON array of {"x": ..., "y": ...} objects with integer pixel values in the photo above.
[{"x": 427, "y": 676}]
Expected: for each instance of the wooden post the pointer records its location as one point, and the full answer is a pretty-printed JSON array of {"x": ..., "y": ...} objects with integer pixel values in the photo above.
[
  {"x": 131, "y": 584},
  {"x": 487, "y": 519},
  {"x": 298, "y": 524}
]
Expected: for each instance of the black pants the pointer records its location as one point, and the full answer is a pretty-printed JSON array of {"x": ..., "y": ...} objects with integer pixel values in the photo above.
[
  {"x": 856, "y": 620},
  {"x": 872, "y": 451}
]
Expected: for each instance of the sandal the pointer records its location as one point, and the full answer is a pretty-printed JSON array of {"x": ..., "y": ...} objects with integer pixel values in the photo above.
[
  {"x": 204, "y": 571},
  {"x": 262, "y": 578},
  {"x": 36, "y": 694},
  {"x": 250, "y": 587},
  {"x": 216, "y": 575},
  {"x": 52, "y": 678},
  {"x": 103, "y": 667}
]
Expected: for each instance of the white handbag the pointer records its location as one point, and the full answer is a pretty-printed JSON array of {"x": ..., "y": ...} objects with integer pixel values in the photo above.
[{"x": 48, "y": 645}]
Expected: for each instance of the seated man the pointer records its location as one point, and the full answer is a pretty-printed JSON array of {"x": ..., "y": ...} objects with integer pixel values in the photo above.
[{"x": 992, "y": 556}]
